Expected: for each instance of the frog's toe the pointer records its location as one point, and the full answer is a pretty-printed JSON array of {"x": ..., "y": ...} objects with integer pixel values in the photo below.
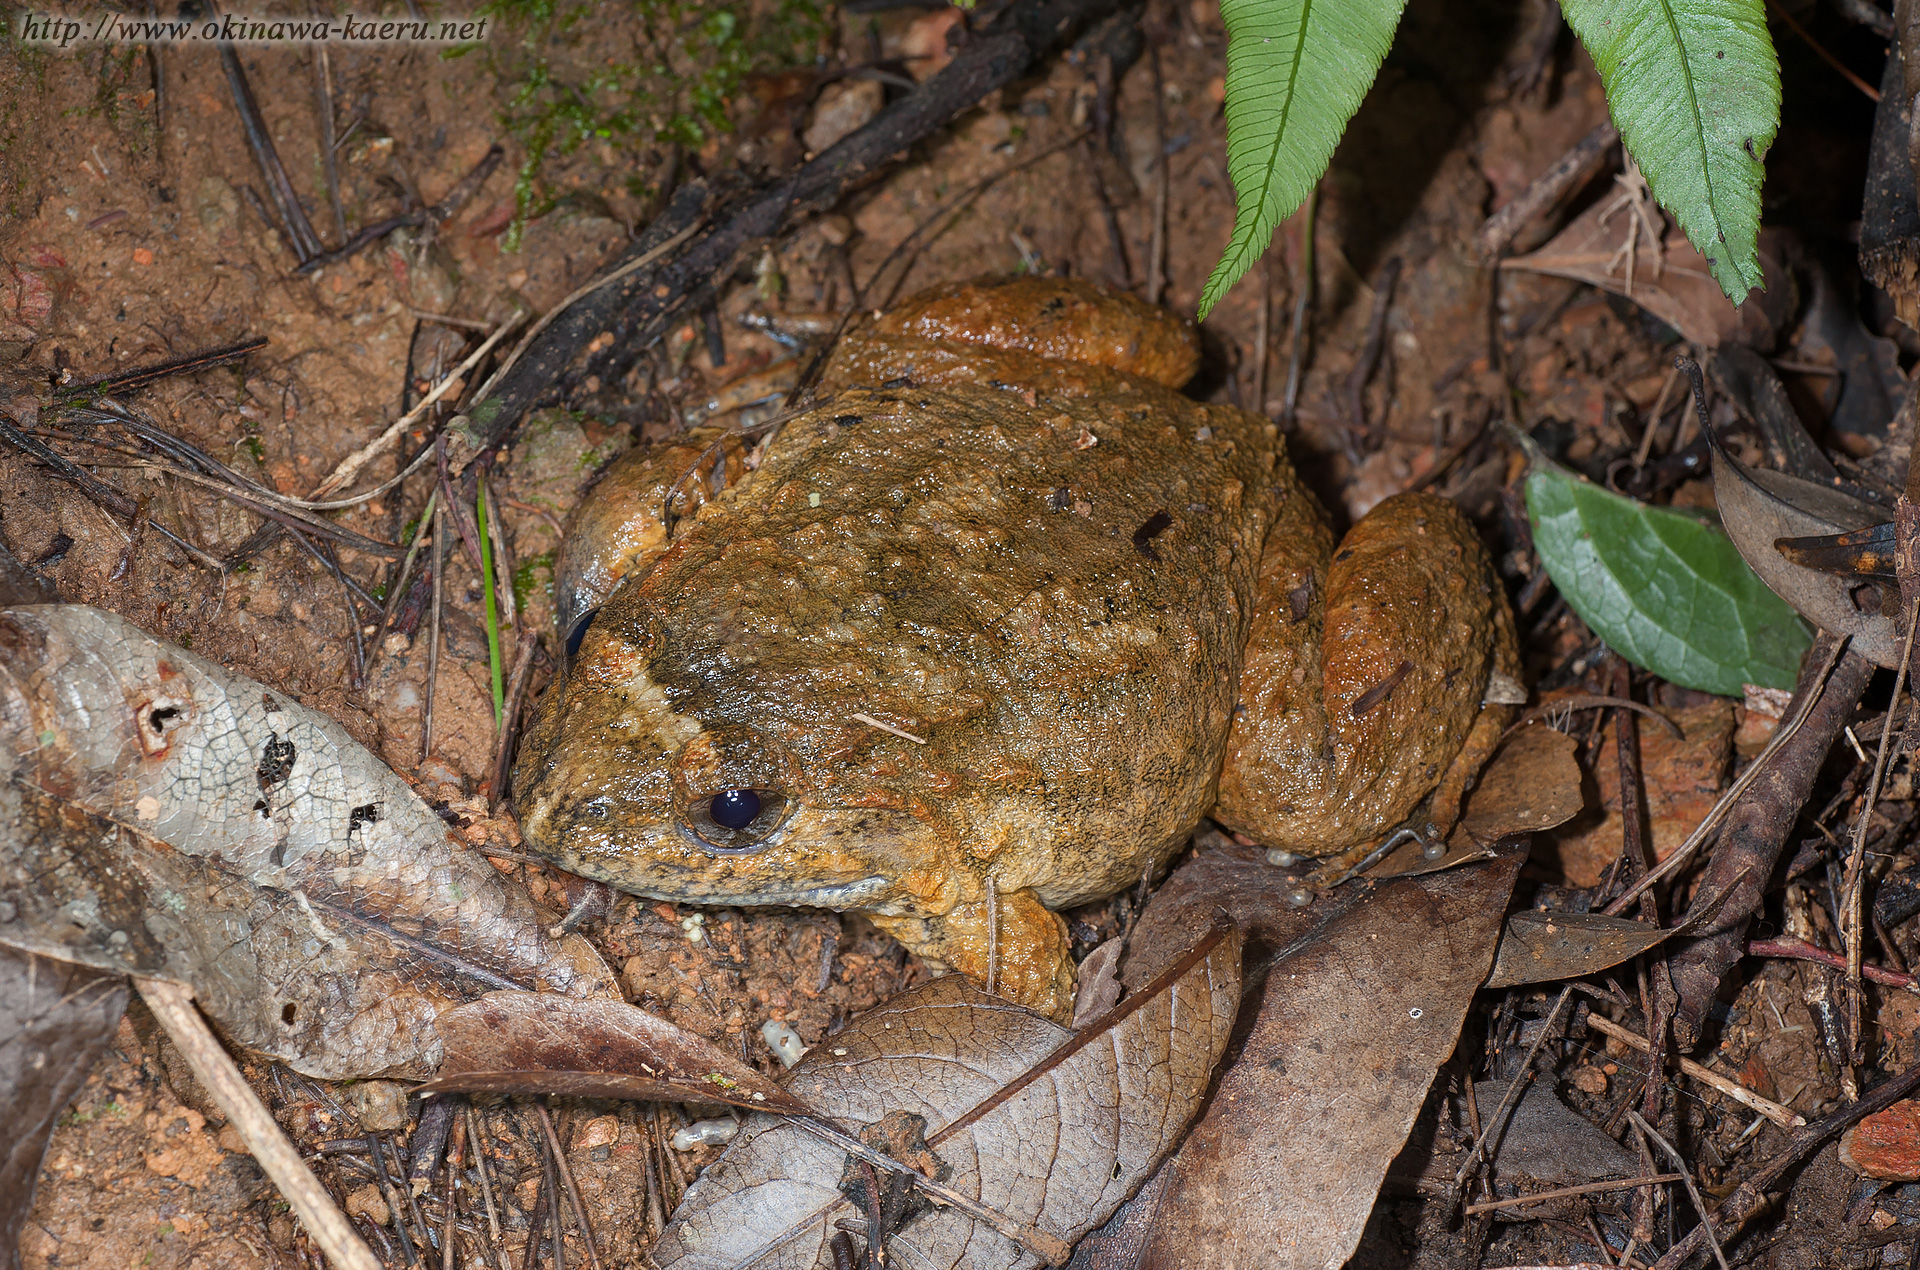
[{"x": 1010, "y": 943}]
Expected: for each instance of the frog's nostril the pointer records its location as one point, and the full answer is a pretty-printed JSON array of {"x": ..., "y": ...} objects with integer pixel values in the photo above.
[{"x": 735, "y": 808}]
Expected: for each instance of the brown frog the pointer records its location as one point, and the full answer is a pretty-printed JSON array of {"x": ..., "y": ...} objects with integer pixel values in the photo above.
[{"x": 986, "y": 631}]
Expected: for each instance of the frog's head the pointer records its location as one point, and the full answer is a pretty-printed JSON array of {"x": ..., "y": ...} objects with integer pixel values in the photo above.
[{"x": 671, "y": 766}]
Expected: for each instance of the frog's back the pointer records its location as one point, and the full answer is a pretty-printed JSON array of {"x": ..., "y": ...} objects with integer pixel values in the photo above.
[{"x": 1048, "y": 583}]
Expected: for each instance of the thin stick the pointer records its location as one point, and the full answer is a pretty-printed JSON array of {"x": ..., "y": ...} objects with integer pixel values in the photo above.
[
  {"x": 1262, "y": 322},
  {"x": 1617, "y": 1184},
  {"x": 329, "y": 159},
  {"x": 1302, "y": 308},
  {"x": 433, "y": 643},
  {"x": 172, "y": 1005},
  {"x": 1710, "y": 823},
  {"x": 1785, "y": 1117},
  {"x": 573, "y": 1191},
  {"x": 1857, "y": 861},
  {"x": 351, "y": 465},
  {"x": 547, "y": 319},
  {"x": 1820, "y": 51},
  {"x": 1515, "y": 1088},
  {"x": 486, "y": 1188},
  {"x": 1800, "y": 950},
  {"x": 1699, "y": 1205},
  {"x": 1054, "y": 1250},
  {"x": 1157, "y": 248}
]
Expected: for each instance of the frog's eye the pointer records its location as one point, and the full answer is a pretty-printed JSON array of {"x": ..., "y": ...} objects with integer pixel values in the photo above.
[
  {"x": 734, "y": 808},
  {"x": 736, "y": 821},
  {"x": 579, "y": 633}
]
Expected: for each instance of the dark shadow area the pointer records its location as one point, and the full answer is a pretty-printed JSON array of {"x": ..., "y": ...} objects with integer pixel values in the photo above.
[{"x": 1436, "y": 76}]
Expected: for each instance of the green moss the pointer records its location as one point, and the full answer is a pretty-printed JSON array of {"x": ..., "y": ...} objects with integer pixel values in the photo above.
[
  {"x": 534, "y": 571},
  {"x": 636, "y": 78}
]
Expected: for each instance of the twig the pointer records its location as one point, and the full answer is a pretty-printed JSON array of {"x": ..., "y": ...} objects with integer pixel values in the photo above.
[
  {"x": 350, "y": 466},
  {"x": 1617, "y": 1184},
  {"x": 299, "y": 230},
  {"x": 1369, "y": 358},
  {"x": 486, "y": 1186},
  {"x": 323, "y": 111},
  {"x": 1800, "y": 950},
  {"x": 392, "y": 1197},
  {"x": 636, "y": 311},
  {"x": 1498, "y": 1123},
  {"x": 126, "y": 381},
  {"x": 1054, "y": 1250},
  {"x": 433, "y": 642},
  {"x": 1750, "y": 1199},
  {"x": 1854, "y": 931},
  {"x": 1785, "y": 1117},
  {"x": 432, "y": 215},
  {"x": 1298, "y": 330},
  {"x": 1157, "y": 246},
  {"x": 1820, "y": 51},
  {"x": 1262, "y": 321},
  {"x": 1693, "y": 1191},
  {"x": 172, "y": 1005},
  {"x": 1711, "y": 821},
  {"x": 1569, "y": 170},
  {"x": 573, "y": 1191},
  {"x": 510, "y": 729}
]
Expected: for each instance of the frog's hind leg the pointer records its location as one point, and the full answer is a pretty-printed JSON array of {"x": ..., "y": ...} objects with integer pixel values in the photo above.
[
  {"x": 620, "y": 528},
  {"x": 1363, "y": 688}
]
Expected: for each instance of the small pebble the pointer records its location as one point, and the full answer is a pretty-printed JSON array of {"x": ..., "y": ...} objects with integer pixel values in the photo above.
[
  {"x": 1281, "y": 859},
  {"x": 706, "y": 1133},
  {"x": 783, "y": 1041},
  {"x": 1299, "y": 897}
]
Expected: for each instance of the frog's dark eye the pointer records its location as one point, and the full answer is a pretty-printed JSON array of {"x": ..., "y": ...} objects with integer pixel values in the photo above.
[
  {"x": 736, "y": 821},
  {"x": 579, "y": 633},
  {"x": 734, "y": 808}
]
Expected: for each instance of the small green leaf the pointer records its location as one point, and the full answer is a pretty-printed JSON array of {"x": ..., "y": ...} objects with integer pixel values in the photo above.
[
  {"x": 1665, "y": 590},
  {"x": 1296, "y": 71},
  {"x": 1695, "y": 90}
]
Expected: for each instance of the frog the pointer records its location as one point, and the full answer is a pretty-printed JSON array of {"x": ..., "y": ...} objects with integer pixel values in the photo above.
[{"x": 986, "y": 629}]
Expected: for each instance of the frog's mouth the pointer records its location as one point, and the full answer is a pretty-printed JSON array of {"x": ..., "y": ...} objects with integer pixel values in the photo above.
[{"x": 839, "y": 896}]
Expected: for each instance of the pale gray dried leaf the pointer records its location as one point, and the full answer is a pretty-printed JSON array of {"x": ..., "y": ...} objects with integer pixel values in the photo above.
[
  {"x": 1363, "y": 1004},
  {"x": 1542, "y": 947},
  {"x": 165, "y": 817},
  {"x": 1052, "y": 1128},
  {"x": 1547, "y": 1142},
  {"x": 1759, "y": 506}
]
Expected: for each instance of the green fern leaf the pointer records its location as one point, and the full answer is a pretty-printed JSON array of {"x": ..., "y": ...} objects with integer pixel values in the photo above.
[
  {"x": 1695, "y": 91},
  {"x": 1296, "y": 71}
]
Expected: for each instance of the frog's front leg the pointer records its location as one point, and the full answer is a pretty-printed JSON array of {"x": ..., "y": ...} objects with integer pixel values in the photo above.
[
  {"x": 1364, "y": 680},
  {"x": 1006, "y": 938}
]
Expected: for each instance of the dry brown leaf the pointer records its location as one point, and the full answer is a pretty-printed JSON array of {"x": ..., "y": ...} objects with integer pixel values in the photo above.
[
  {"x": 1050, "y": 1127},
  {"x": 1681, "y": 778},
  {"x": 1758, "y": 507},
  {"x": 1669, "y": 279},
  {"x": 164, "y": 817},
  {"x": 1532, "y": 783},
  {"x": 1353, "y": 1021},
  {"x": 1541, "y": 947},
  {"x": 542, "y": 1043}
]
